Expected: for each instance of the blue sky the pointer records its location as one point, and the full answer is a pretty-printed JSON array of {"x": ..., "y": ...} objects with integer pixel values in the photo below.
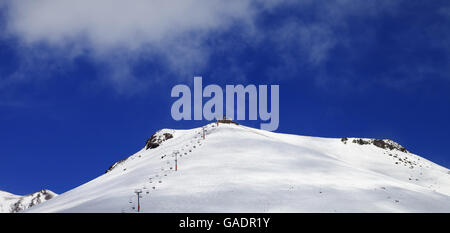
[{"x": 84, "y": 85}]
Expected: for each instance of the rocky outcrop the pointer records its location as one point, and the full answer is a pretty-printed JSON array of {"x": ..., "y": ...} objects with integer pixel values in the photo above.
[
  {"x": 153, "y": 142},
  {"x": 11, "y": 203},
  {"x": 115, "y": 164},
  {"x": 381, "y": 143},
  {"x": 156, "y": 139}
]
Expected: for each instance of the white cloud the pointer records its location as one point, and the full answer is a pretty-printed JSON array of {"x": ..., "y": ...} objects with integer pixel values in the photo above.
[
  {"x": 117, "y": 23},
  {"x": 173, "y": 30},
  {"x": 117, "y": 34}
]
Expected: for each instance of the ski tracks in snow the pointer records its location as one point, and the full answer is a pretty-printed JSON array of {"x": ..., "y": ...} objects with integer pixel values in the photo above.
[{"x": 170, "y": 156}]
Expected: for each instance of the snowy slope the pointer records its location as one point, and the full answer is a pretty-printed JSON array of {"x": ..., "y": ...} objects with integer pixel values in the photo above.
[
  {"x": 11, "y": 203},
  {"x": 241, "y": 169}
]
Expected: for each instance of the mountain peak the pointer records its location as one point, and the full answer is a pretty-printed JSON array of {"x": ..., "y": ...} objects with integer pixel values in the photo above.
[
  {"x": 234, "y": 168},
  {"x": 11, "y": 203}
]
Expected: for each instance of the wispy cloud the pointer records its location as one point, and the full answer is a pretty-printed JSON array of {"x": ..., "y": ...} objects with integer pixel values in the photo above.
[
  {"x": 120, "y": 35},
  {"x": 173, "y": 30}
]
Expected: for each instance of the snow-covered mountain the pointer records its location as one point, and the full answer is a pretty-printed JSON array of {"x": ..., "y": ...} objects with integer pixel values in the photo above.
[
  {"x": 11, "y": 203},
  {"x": 241, "y": 169}
]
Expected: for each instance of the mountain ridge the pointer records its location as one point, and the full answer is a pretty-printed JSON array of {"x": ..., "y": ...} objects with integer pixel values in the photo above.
[
  {"x": 11, "y": 203},
  {"x": 241, "y": 169}
]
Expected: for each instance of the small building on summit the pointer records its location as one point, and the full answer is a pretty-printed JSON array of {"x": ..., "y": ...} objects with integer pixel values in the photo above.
[{"x": 226, "y": 120}]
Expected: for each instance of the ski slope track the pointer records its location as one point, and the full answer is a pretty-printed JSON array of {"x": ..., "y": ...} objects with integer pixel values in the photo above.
[{"x": 241, "y": 169}]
